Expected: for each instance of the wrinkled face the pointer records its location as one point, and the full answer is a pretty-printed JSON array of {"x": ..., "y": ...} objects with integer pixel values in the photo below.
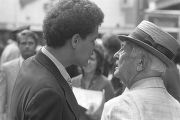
[
  {"x": 85, "y": 48},
  {"x": 125, "y": 64},
  {"x": 92, "y": 64},
  {"x": 27, "y": 46}
]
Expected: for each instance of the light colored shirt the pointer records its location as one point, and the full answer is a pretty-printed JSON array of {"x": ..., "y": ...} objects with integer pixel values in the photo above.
[
  {"x": 147, "y": 99},
  {"x": 8, "y": 74},
  {"x": 10, "y": 52},
  {"x": 60, "y": 67}
]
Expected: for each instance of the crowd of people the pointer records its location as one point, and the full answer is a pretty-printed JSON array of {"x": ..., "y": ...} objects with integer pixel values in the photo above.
[{"x": 137, "y": 74}]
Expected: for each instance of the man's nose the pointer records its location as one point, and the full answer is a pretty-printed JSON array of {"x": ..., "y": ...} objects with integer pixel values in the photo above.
[{"x": 27, "y": 45}]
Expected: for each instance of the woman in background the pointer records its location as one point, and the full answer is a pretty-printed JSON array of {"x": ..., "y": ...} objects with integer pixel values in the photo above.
[{"x": 93, "y": 79}]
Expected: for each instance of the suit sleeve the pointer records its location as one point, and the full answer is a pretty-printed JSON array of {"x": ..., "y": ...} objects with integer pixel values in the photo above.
[{"x": 45, "y": 105}]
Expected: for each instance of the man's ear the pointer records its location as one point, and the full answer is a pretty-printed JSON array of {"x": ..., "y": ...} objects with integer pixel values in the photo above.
[
  {"x": 75, "y": 40},
  {"x": 140, "y": 64}
]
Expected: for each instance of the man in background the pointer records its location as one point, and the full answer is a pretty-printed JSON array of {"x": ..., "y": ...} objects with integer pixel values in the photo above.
[
  {"x": 11, "y": 51},
  {"x": 27, "y": 42}
]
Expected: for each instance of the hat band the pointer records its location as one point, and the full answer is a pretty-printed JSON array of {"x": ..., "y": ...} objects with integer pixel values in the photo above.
[{"x": 144, "y": 37}]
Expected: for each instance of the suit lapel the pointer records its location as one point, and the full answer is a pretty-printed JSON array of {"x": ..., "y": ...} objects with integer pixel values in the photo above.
[{"x": 70, "y": 98}]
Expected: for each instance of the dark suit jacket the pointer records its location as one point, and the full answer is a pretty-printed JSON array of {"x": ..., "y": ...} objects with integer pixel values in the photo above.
[{"x": 41, "y": 93}]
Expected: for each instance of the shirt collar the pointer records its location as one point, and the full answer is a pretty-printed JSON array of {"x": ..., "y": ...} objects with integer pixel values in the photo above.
[
  {"x": 152, "y": 82},
  {"x": 58, "y": 65}
]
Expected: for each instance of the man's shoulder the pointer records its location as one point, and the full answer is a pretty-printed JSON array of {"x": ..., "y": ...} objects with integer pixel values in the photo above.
[
  {"x": 11, "y": 46},
  {"x": 11, "y": 49},
  {"x": 34, "y": 71},
  {"x": 121, "y": 107},
  {"x": 121, "y": 99},
  {"x": 11, "y": 63}
]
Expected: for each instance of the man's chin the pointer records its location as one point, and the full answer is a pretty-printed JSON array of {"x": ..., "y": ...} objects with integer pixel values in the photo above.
[{"x": 116, "y": 73}]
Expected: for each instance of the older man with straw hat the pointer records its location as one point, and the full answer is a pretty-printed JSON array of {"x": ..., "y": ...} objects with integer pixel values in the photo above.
[{"x": 144, "y": 56}]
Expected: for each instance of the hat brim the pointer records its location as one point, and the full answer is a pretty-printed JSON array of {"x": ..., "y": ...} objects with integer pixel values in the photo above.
[{"x": 147, "y": 47}]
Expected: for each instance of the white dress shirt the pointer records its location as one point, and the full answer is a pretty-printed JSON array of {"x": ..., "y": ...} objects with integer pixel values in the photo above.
[{"x": 147, "y": 99}]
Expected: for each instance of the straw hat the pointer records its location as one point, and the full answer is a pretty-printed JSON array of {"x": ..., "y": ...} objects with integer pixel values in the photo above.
[{"x": 155, "y": 40}]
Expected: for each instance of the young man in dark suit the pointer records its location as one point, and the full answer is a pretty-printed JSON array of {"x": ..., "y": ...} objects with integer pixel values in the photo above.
[{"x": 43, "y": 87}]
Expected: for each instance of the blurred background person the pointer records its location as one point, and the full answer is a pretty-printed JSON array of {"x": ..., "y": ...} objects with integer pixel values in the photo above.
[
  {"x": 92, "y": 77},
  {"x": 27, "y": 42},
  {"x": 111, "y": 44},
  {"x": 11, "y": 51}
]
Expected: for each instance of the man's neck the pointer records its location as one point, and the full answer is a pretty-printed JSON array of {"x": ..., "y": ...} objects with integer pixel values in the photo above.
[
  {"x": 144, "y": 75},
  {"x": 61, "y": 54}
]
